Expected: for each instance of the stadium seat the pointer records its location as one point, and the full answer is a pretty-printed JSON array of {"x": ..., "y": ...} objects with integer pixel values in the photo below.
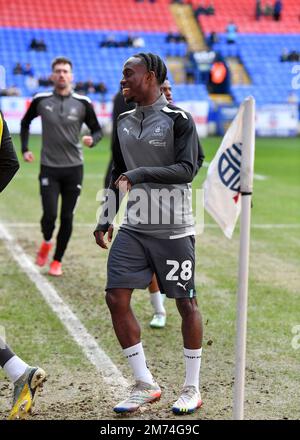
[
  {"x": 259, "y": 43},
  {"x": 242, "y": 12}
]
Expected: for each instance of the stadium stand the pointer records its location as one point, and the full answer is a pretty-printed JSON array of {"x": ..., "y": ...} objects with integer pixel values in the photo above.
[
  {"x": 76, "y": 29},
  {"x": 89, "y": 15},
  {"x": 90, "y": 61},
  {"x": 260, "y": 54}
]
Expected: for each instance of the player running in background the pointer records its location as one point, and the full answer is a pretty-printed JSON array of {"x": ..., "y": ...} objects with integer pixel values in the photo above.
[
  {"x": 63, "y": 113},
  {"x": 157, "y": 148},
  {"x": 26, "y": 379}
]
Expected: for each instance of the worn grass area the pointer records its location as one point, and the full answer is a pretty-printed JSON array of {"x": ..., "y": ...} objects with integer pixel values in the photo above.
[{"x": 272, "y": 390}]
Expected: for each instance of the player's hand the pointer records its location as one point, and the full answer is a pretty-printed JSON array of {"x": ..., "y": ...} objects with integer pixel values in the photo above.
[
  {"x": 28, "y": 156},
  {"x": 123, "y": 184},
  {"x": 87, "y": 141},
  {"x": 99, "y": 237}
]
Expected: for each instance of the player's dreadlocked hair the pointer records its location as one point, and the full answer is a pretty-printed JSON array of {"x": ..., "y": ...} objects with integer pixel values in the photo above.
[{"x": 154, "y": 63}]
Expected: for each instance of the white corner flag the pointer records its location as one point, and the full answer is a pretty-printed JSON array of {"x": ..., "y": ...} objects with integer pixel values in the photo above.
[
  {"x": 227, "y": 192},
  {"x": 222, "y": 185}
]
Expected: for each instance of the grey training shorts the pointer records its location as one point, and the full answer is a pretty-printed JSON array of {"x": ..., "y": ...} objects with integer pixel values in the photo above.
[{"x": 134, "y": 257}]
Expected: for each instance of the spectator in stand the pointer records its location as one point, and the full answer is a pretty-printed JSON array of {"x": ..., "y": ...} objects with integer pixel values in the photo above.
[
  {"x": 292, "y": 56},
  {"x": 219, "y": 78},
  {"x": 42, "y": 46},
  {"x": 268, "y": 11},
  {"x": 38, "y": 45},
  {"x": 33, "y": 44},
  {"x": 110, "y": 41},
  {"x": 89, "y": 87},
  {"x": 203, "y": 9},
  {"x": 138, "y": 42},
  {"x": 277, "y": 10},
  {"x": 175, "y": 38},
  {"x": 189, "y": 68},
  {"x": 284, "y": 55},
  {"x": 28, "y": 70},
  {"x": 210, "y": 9},
  {"x": 18, "y": 69},
  {"x": 292, "y": 97},
  {"x": 79, "y": 88},
  {"x": 129, "y": 41},
  {"x": 199, "y": 10},
  {"x": 45, "y": 82},
  {"x": 212, "y": 39},
  {"x": 171, "y": 37},
  {"x": 10, "y": 91},
  {"x": 31, "y": 83},
  {"x": 101, "y": 88},
  {"x": 258, "y": 10},
  {"x": 231, "y": 32}
]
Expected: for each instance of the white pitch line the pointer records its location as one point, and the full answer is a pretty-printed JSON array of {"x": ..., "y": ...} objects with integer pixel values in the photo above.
[
  {"x": 110, "y": 373},
  {"x": 206, "y": 225},
  {"x": 259, "y": 177}
]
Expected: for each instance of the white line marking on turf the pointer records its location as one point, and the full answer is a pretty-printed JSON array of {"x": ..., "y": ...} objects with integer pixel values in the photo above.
[
  {"x": 259, "y": 177},
  {"x": 110, "y": 373},
  {"x": 207, "y": 225}
]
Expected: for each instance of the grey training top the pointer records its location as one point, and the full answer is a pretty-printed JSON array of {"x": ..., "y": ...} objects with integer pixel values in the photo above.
[
  {"x": 62, "y": 119},
  {"x": 158, "y": 149}
]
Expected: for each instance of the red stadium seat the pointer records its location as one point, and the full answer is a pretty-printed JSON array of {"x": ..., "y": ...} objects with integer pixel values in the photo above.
[
  {"x": 88, "y": 14},
  {"x": 242, "y": 12},
  {"x": 144, "y": 16}
]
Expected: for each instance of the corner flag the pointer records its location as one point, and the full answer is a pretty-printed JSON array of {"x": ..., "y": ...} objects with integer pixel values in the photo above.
[
  {"x": 227, "y": 192},
  {"x": 222, "y": 185}
]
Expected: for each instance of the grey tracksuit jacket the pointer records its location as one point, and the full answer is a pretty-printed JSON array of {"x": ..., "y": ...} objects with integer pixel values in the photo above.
[
  {"x": 157, "y": 148},
  {"x": 62, "y": 119}
]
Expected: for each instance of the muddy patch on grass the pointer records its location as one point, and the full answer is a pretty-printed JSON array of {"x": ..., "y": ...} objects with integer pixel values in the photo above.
[{"x": 82, "y": 395}]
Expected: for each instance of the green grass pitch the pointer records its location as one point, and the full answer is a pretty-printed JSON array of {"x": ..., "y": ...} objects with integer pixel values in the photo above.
[{"x": 272, "y": 375}]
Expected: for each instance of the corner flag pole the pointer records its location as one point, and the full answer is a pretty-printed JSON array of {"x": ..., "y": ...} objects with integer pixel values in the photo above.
[{"x": 247, "y": 165}]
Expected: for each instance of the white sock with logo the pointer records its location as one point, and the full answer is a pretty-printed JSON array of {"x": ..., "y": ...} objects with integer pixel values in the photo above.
[
  {"x": 157, "y": 300},
  {"x": 136, "y": 358},
  {"x": 14, "y": 368},
  {"x": 192, "y": 366}
]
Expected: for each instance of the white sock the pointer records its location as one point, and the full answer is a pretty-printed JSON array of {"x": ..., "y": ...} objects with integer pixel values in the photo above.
[
  {"x": 157, "y": 301},
  {"x": 137, "y": 361},
  {"x": 192, "y": 366},
  {"x": 14, "y": 368}
]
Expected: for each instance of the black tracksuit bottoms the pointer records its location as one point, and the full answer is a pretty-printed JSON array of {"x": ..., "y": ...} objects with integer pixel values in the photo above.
[{"x": 66, "y": 182}]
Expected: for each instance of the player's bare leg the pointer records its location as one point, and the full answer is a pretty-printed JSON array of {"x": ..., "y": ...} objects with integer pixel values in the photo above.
[
  {"x": 192, "y": 332},
  {"x": 128, "y": 332}
]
